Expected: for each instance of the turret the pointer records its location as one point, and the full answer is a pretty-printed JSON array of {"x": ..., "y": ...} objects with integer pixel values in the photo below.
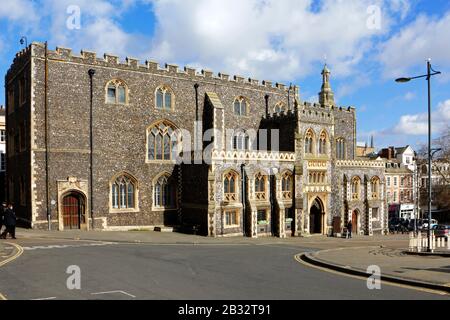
[{"x": 326, "y": 95}]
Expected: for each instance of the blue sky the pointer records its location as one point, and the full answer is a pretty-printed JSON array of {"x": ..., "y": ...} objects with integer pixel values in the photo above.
[{"x": 367, "y": 44}]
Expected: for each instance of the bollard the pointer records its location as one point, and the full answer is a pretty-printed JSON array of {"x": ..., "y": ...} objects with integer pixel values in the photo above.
[
  {"x": 419, "y": 242},
  {"x": 448, "y": 243}
]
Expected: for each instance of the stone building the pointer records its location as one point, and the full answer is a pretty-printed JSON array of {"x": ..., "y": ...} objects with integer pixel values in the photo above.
[
  {"x": 2, "y": 152},
  {"x": 96, "y": 143}
]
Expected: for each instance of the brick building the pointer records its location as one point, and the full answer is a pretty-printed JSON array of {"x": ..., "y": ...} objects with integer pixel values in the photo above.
[{"x": 95, "y": 143}]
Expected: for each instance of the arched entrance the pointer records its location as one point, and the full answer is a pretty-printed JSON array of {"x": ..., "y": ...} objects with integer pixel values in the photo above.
[
  {"x": 355, "y": 216},
  {"x": 73, "y": 210},
  {"x": 316, "y": 215}
]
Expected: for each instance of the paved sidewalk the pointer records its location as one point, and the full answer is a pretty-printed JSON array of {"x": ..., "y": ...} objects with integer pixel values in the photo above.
[
  {"x": 394, "y": 262},
  {"x": 151, "y": 237}
]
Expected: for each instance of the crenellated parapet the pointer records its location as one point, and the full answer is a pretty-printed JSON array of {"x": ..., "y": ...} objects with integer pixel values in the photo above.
[
  {"x": 360, "y": 163},
  {"x": 132, "y": 64},
  {"x": 19, "y": 61}
]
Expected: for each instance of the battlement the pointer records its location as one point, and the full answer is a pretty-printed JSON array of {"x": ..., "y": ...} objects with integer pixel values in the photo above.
[
  {"x": 281, "y": 115},
  {"x": 132, "y": 64},
  {"x": 311, "y": 106},
  {"x": 361, "y": 163}
]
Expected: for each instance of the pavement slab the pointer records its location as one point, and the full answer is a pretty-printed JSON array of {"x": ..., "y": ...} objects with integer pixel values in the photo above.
[{"x": 392, "y": 261}]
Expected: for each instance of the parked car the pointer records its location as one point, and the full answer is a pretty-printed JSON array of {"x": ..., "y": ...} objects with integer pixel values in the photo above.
[
  {"x": 442, "y": 231},
  {"x": 434, "y": 223},
  {"x": 415, "y": 223}
]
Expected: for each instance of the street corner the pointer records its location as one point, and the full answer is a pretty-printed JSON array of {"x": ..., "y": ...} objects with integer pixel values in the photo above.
[{"x": 9, "y": 252}]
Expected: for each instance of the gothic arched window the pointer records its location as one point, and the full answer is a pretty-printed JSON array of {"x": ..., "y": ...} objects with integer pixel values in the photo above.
[
  {"x": 123, "y": 192},
  {"x": 375, "y": 187},
  {"x": 230, "y": 187},
  {"x": 356, "y": 188},
  {"x": 280, "y": 107},
  {"x": 163, "y": 142},
  {"x": 340, "y": 149},
  {"x": 240, "y": 106},
  {"x": 241, "y": 141},
  {"x": 165, "y": 192},
  {"x": 287, "y": 185},
  {"x": 164, "y": 98},
  {"x": 309, "y": 142},
  {"x": 116, "y": 92},
  {"x": 260, "y": 186},
  {"x": 323, "y": 143}
]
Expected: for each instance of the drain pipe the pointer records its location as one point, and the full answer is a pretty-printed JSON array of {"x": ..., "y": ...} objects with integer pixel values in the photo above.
[
  {"x": 91, "y": 73},
  {"x": 244, "y": 199},
  {"x": 47, "y": 181}
]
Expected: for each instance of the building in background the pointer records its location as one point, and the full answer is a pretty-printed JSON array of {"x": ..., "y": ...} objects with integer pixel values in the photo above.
[
  {"x": 2, "y": 154},
  {"x": 440, "y": 182},
  {"x": 401, "y": 181},
  {"x": 363, "y": 149}
]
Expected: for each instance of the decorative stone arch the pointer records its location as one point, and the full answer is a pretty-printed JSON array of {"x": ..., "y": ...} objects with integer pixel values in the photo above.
[
  {"x": 117, "y": 84},
  {"x": 341, "y": 148},
  {"x": 165, "y": 89},
  {"x": 317, "y": 215},
  {"x": 73, "y": 185},
  {"x": 356, "y": 188},
  {"x": 135, "y": 183}
]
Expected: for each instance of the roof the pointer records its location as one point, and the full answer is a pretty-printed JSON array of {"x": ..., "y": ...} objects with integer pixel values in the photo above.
[{"x": 215, "y": 101}]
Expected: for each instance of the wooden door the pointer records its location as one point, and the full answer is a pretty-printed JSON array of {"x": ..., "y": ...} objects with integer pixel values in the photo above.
[
  {"x": 72, "y": 211},
  {"x": 355, "y": 222}
]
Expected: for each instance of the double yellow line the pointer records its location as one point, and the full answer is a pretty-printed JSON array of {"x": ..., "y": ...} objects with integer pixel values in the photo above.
[{"x": 14, "y": 257}]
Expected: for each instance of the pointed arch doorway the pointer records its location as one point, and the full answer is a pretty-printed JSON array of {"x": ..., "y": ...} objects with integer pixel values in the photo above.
[
  {"x": 316, "y": 217},
  {"x": 73, "y": 210}
]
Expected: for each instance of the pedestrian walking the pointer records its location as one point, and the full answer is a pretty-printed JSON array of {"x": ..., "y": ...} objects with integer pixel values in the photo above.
[
  {"x": 9, "y": 219},
  {"x": 2, "y": 212},
  {"x": 349, "y": 229}
]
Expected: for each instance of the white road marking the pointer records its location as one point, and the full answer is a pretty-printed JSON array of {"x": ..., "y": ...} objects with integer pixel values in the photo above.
[
  {"x": 68, "y": 246},
  {"x": 50, "y": 298},
  {"x": 117, "y": 291}
]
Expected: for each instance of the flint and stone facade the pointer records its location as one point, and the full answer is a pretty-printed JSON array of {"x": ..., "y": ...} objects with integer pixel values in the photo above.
[{"x": 77, "y": 159}]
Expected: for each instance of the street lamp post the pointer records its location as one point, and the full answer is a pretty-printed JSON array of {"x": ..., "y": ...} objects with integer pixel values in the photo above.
[{"x": 430, "y": 73}]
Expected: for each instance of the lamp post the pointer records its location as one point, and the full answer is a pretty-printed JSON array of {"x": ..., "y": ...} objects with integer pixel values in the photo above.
[{"x": 430, "y": 73}]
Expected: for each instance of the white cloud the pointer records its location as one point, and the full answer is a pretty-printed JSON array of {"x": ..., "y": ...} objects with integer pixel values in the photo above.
[
  {"x": 274, "y": 39},
  {"x": 426, "y": 37},
  {"x": 417, "y": 124},
  {"x": 18, "y": 10}
]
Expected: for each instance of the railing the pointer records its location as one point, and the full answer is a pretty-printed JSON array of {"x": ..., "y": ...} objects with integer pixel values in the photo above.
[{"x": 420, "y": 243}]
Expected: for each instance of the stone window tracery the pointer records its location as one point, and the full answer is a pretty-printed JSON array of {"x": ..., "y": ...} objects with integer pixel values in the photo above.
[
  {"x": 287, "y": 186},
  {"x": 356, "y": 188},
  {"x": 163, "y": 142},
  {"x": 116, "y": 92},
  {"x": 164, "y": 98},
  {"x": 241, "y": 106},
  {"x": 260, "y": 187},
  {"x": 230, "y": 188},
  {"x": 165, "y": 192},
  {"x": 123, "y": 192},
  {"x": 309, "y": 142}
]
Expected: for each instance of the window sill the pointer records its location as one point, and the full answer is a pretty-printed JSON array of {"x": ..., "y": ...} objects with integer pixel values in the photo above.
[
  {"x": 156, "y": 209},
  {"x": 160, "y": 161},
  {"x": 263, "y": 223},
  {"x": 234, "y": 226},
  {"x": 124, "y": 210}
]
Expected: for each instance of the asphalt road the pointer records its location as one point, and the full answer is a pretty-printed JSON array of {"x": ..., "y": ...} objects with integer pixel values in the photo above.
[{"x": 186, "y": 272}]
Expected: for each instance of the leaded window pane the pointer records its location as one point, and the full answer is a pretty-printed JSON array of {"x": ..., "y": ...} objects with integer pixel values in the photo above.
[
  {"x": 123, "y": 203},
  {"x": 159, "y": 99},
  {"x": 168, "y": 100},
  {"x": 237, "y": 108},
  {"x": 111, "y": 94},
  {"x": 166, "y": 147},
  {"x": 151, "y": 146},
  {"x": 232, "y": 185},
  {"x": 159, "y": 153},
  {"x": 243, "y": 108},
  {"x": 158, "y": 195},
  {"x": 115, "y": 196},
  {"x": 122, "y": 95},
  {"x": 130, "y": 195}
]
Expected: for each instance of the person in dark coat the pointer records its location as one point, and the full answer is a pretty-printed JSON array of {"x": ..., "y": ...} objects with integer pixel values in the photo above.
[
  {"x": 10, "y": 220},
  {"x": 349, "y": 229},
  {"x": 2, "y": 211}
]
